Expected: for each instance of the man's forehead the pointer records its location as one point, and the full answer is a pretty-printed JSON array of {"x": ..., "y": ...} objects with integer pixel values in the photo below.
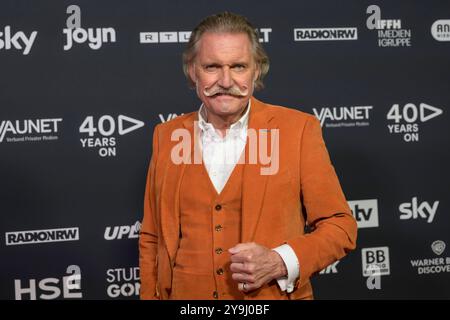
[{"x": 224, "y": 44}]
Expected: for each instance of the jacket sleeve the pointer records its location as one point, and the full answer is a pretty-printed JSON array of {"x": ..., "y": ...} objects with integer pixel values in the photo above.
[
  {"x": 148, "y": 239},
  {"x": 327, "y": 213}
]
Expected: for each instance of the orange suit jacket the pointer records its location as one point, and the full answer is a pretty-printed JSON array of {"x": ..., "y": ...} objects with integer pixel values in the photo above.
[{"x": 275, "y": 208}]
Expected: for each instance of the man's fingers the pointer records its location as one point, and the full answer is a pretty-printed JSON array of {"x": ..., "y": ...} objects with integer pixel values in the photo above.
[
  {"x": 243, "y": 277},
  {"x": 240, "y": 247}
]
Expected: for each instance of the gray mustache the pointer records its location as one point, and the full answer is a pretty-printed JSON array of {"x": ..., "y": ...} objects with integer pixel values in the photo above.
[{"x": 234, "y": 91}]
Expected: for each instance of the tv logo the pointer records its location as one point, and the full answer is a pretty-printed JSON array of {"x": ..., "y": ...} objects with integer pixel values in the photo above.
[
  {"x": 365, "y": 212},
  {"x": 16, "y": 40},
  {"x": 119, "y": 232},
  {"x": 50, "y": 288},
  {"x": 375, "y": 261},
  {"x": 414, "y": 210}
]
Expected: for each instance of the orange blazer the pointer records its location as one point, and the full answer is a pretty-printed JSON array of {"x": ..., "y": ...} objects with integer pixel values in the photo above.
[{"x": 275, "y": 208}]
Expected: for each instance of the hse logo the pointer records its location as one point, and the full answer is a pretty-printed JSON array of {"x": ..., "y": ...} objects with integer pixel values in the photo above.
[
  {"x": 183, "y": 36},
  {"x": 433, "y": 265},
  {"x": 123, "y": 282},
  {"x": 69, "y": 287},
  {"x": 365, "y": 212},
  {"x": 120, "y": 232},
  {"x": 390, "y": 32},
  {"x": 27, "y": 129},
  {"x": 440, "y": 30},
  {"x": 169, "y": 117},
  {"x": 42, "y": 236},
  {"x": 330, "y": 269},
  {"x": 17, "y": 40},
  {"x": 412, "y": 116},
  {"x": 375, "y": 261},
  {"x": 74, "y": 33},
  {"x": 105, "y": 127},
  {"x": 325, "y": 34},
  {"x": 414, "y": 210},
  {"x": 356, "y": 116}
]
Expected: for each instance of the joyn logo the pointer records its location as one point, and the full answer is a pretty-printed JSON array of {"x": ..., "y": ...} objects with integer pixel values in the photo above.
[
  {"x": 50, "y": 288},
  {"x": 29, "y": 127},
  {"x": 365, "y": 212},
  {"x": 413, "y": 116},
  {"x": 75, "y": 33},
  {"x": 343, "y": 116},
  {"x": 119, "y": 232},
  {"x": 375, "y": 260},
  {"x": 390, "y": 32},
  {"x": 41, "y": 236},
  {"x": 183, "y": 36},
  {"x": 414, "y": 210},
  {"x": 19, "y": 40},
  {"x": 325, "y": 34},
  {"x": 123, "y": 282},
  {"x": 106, "y": 127},
  {"x": 440, "y": 30}
]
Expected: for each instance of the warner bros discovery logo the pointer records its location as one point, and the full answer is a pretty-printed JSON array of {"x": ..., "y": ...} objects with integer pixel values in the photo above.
[
  {"x": 101, "y": 132},
  {"x": 439, "y": 264},
  {"x": 75, "y": 34},
  {"x": 67, "y": 287}
]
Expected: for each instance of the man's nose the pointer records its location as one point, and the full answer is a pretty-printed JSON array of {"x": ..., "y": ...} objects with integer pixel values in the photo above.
[{"x": 226, "y": 79}]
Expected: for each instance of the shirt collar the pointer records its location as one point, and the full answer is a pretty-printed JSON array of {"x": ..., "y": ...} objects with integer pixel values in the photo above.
[{"x": 208, "y": 127}]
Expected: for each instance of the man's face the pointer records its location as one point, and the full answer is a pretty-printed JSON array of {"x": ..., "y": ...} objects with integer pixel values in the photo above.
[{"x": 224, "y": 72}]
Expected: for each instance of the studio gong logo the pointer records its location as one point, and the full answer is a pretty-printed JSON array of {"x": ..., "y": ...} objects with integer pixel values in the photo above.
[
  {"x": 123, "y": 282},
  {"x": 390, "y": 32},
  {"x": 102, "y": 132},
  {"x": 75, "y": 34},
  {"x": 408, "y": 119}
]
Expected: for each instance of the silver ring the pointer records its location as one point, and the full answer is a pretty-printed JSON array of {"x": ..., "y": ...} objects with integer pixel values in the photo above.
[{"x": 244, "y": 285}]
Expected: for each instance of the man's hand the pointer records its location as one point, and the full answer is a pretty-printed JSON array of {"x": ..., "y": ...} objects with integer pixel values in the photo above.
[{"x": 255, "y": 265}]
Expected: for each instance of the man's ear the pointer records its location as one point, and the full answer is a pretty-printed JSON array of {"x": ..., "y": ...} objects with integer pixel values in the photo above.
[
  {"x": 257, "y": 72},
  {"x": 191, "y": 70}
]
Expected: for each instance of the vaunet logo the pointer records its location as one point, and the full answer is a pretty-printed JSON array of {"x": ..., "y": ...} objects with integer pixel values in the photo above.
[
  {"x": 42, "y": 236},
  {"x": 29, "y": 130},
  {"x": 439, "y": 264},
  {"x": 75, "y": 34},
  {"x": 390, "y": 32},
  {"x": 408, "y": 119},
  {"x": 102, "y": 132},
  {"x": 16, "y": 40},
  {"x": 344, "y": 117}
]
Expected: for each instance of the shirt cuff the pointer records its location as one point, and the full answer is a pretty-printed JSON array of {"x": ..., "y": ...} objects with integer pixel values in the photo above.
[{"x": 290, "y": 259}]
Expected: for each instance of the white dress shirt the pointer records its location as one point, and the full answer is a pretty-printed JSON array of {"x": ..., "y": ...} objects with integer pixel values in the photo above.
[{"x": 220, "y": 156}]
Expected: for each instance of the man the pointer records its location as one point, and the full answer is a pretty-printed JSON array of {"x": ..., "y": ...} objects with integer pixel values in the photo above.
[{"x": 232, "y": 225}]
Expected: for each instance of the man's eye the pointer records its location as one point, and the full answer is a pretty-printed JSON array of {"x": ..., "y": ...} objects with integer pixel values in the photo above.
[
  {"x": 238, "y": 67},
  {"x": 211, "y": 68}
]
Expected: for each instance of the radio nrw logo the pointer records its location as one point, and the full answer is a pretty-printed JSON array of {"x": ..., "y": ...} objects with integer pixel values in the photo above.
[
  {"x": 390, "y": 32},
  {"x": 408, "y": 119},
  {"x": 123, "y": 232},
  {"x": 42, "y": 236},
  {"x": 101, "y": 132},
  {"x": 365, "y": 212},
  {"x": 344, "y": 117},
  {"x": 325, "y": 34},
  {"x": 75, "y": 34},
  {"x": 437, "y": 264},
  {"x": 29, "y": 130}
]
